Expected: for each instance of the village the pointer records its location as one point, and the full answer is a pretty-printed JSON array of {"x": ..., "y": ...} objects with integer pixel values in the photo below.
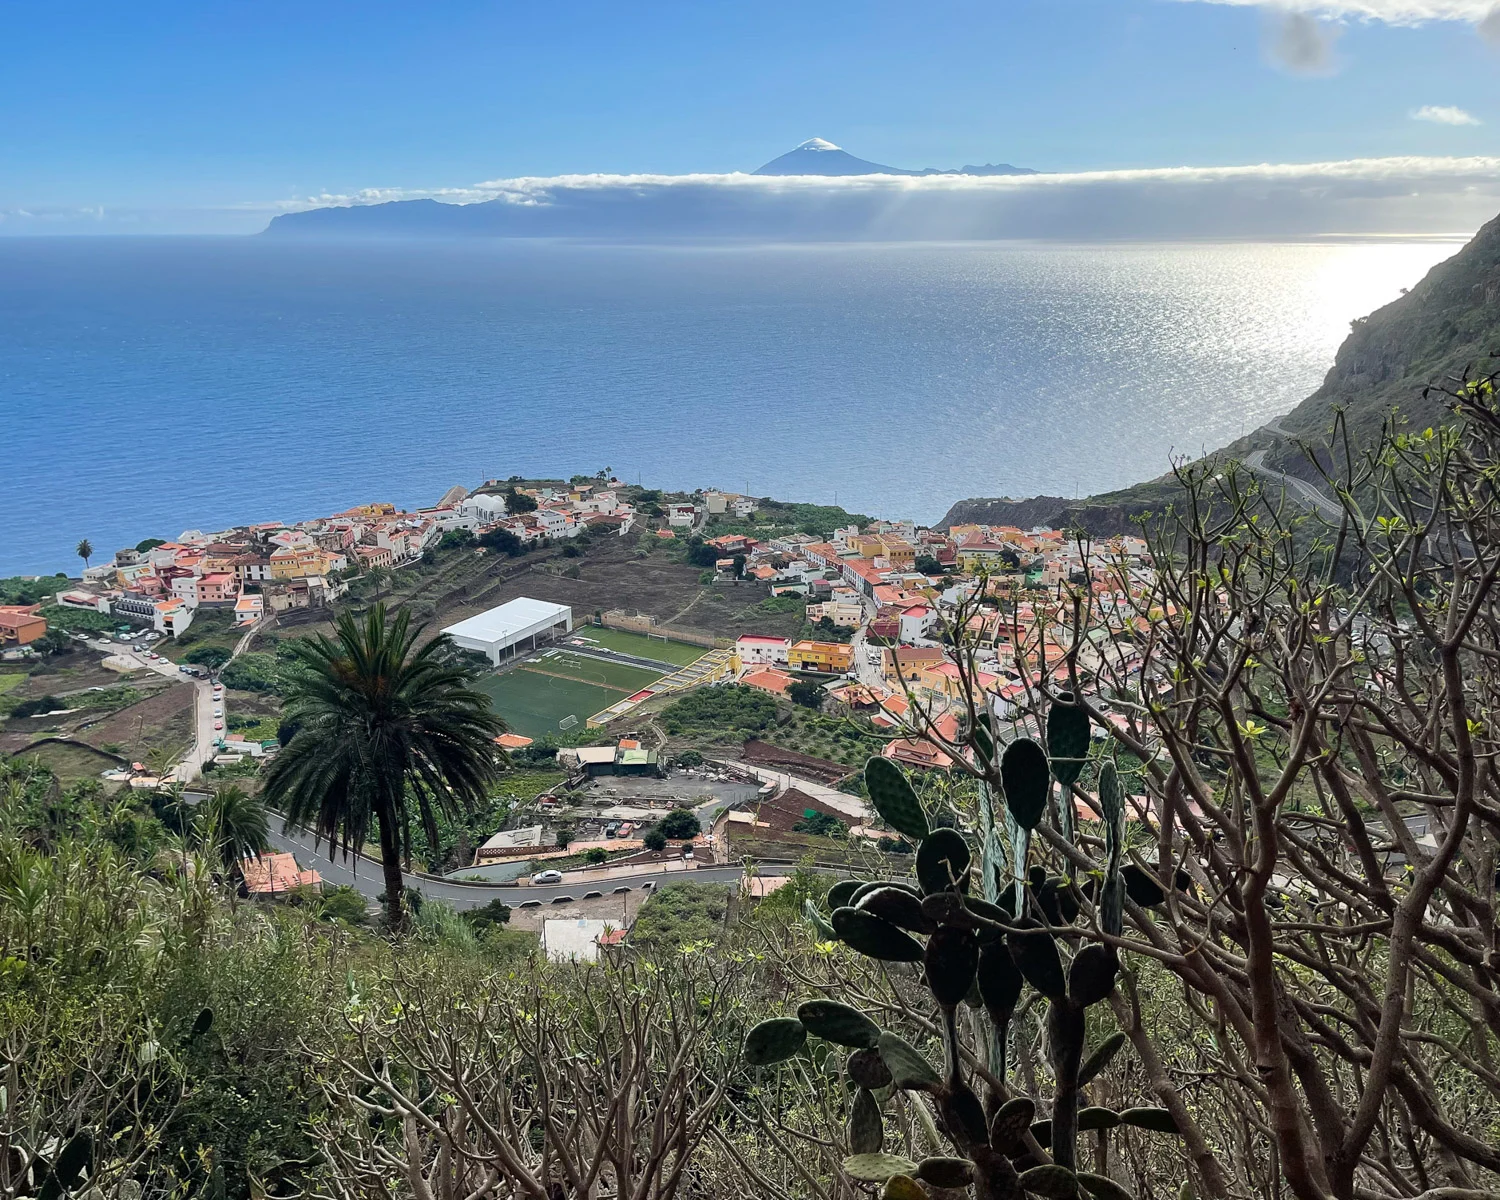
[{"x": 649, "y": 769}]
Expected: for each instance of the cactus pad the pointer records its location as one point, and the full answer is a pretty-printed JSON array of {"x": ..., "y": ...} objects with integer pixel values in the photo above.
[
  {"x": 838, "y": 1023},
  {"x": 1027, "y": 779},
  {"x": 1158, "y": 1120},
  {"x": 1091, "y": 978},
  {"x": 1036, "y": 957},
  {"x": 1100, "y": 1058},
  {"x": 894, "y": 798},
  {"x": 952, "y": 959},
  {"x": 1010, "y": 1125},
  {"x": 774, "y": 1041},
  {"x": 1067, "y": 739},
  {"x": 874, "y": 937},
  {"x": 899, "y": 907},
  {"x": 868, "y": 1070},
  {"x": 946, "y": 1172},
  {"x": 865, "y": 1130},
  {"x": 907, "y": 1066},
  {"x": 943, "y": 861},
  {"x": 1051, "y": 1182}
]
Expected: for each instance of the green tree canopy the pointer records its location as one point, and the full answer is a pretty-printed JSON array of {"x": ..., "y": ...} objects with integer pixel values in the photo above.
[
  {"x": 680, "y": 823},
  {"x": 383, "y": 724}
]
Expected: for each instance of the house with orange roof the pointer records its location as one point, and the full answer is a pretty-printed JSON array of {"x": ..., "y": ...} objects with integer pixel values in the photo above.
[
  {"x": 249, "y": 608},
  {"x": 768, "y": 679},
  {"x": 917, "y": 752},
  {"x": 276, "y": 874},
  {"x": 218, "y": 589},
  {"x": 20, "y": 625},
  {"x": 512, "y": 741}
]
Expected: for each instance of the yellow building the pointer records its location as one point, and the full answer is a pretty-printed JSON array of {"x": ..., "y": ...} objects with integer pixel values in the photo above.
[
  {"x": 299, "y": 563},
  {"x": 897, "y": 551},
  {"x": 910, "y": 663},
  {"x": 832, "y": 658}
]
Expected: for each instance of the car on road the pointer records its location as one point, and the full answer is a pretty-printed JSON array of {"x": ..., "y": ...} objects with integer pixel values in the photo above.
[
  {"x": 218, "y": 724},
  {"x": 547, "y": 877},
  {"x": 218, "y": 712}
]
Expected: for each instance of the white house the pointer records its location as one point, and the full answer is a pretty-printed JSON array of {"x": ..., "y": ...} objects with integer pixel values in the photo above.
[
  {"x": 916, "y": 622},
  {"x": 681, "y": 516},
  {"x": 758, "y": 650},
  {"x": 556, "y": 524},
  {"x": 485, "y": 508},
  {"x": 248, "y": 608},
  {"x": 450, "y": 518}
]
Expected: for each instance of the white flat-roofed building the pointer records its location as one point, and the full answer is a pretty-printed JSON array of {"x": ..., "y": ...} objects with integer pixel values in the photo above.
[
  {"x": 572, "y": 939},
  {"x": 520, "y": 624}
]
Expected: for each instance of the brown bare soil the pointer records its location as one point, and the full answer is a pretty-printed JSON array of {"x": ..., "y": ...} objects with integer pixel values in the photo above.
[
  {"x": 164, "y": 720},
  {"x": 609, "y": 576},
  {"x": 763, "y": 754}
]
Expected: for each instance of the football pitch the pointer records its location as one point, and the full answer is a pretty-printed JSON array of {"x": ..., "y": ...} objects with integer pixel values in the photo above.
[
  {"x": 547, "y": 688},
  {"x": 640, "y": 645}
]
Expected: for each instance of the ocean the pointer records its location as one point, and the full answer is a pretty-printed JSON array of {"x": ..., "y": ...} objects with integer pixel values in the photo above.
[{"x": 149, "y": 386}]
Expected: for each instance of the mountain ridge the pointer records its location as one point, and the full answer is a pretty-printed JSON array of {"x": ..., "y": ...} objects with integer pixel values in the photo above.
[{"x": 817, "y": 156}]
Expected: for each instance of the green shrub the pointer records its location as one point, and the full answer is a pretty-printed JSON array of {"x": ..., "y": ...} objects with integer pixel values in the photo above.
[
  {"x": 342, "y": 903},
  {"x": 681, "y": 912},
  {"x": 680, "y": 823},
  {"x": 731, "y": 708},
  {"x": 42, "y": 704},
  {"x": 496, "y": 912}
]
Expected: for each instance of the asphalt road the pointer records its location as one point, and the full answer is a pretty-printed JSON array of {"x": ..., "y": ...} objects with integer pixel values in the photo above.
[
  {"x": 364, "y": 875},
  {"x": 204, "y": 734},
  {"x": 1301, "y": 490}
]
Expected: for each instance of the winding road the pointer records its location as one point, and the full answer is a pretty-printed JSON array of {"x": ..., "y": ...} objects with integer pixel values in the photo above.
[
  {"x": 1309, "y": 496},
  {"x": 1300, "y": 489},
  {"x": 364, "y": 875}
]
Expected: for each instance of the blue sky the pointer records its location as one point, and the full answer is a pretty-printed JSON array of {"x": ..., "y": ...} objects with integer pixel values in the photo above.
[{"x": 206, "y": 115}]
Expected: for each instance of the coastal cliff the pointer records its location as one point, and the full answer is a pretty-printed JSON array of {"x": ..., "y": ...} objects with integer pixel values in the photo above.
[{"x": 1448, "y": 322}]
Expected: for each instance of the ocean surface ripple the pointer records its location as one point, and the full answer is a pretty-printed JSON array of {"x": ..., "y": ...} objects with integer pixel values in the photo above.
[{"x": 148, "y": 386}]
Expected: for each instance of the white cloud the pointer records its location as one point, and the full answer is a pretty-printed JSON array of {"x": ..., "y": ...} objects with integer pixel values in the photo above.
[
  {"x": 1266, "y": 201},
  {"x": 1444, "y": 114},
  {"x": 1395, "y": 12}
]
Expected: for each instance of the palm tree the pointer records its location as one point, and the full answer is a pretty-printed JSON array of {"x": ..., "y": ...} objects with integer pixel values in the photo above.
[
  {"x": 85, "y": 551},
  {"x": 382, "y": 723},
  {"x": 232, "y": 825}
]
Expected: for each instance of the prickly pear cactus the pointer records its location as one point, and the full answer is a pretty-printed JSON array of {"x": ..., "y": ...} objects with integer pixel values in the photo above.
[{"x": 981, "y": 946}]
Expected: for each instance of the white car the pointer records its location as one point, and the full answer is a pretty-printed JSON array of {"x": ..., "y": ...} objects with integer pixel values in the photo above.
[
  {"x": 218, "y": 712},
  {"x": 547, "y": 877}
]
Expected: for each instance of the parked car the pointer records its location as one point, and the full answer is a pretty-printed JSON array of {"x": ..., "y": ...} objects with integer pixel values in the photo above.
[
  {"x": 218, "y": 712},
  {"x": 547, "y": 877},
  {"x": 218, "y": 724}
]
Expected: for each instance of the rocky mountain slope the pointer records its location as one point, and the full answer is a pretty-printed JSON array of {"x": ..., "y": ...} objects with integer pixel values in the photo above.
[{"x": 1449, "y": 321}]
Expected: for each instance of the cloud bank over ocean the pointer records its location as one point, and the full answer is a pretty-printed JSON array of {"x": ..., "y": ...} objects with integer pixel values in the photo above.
[{"x": 1411, "y": 195}]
